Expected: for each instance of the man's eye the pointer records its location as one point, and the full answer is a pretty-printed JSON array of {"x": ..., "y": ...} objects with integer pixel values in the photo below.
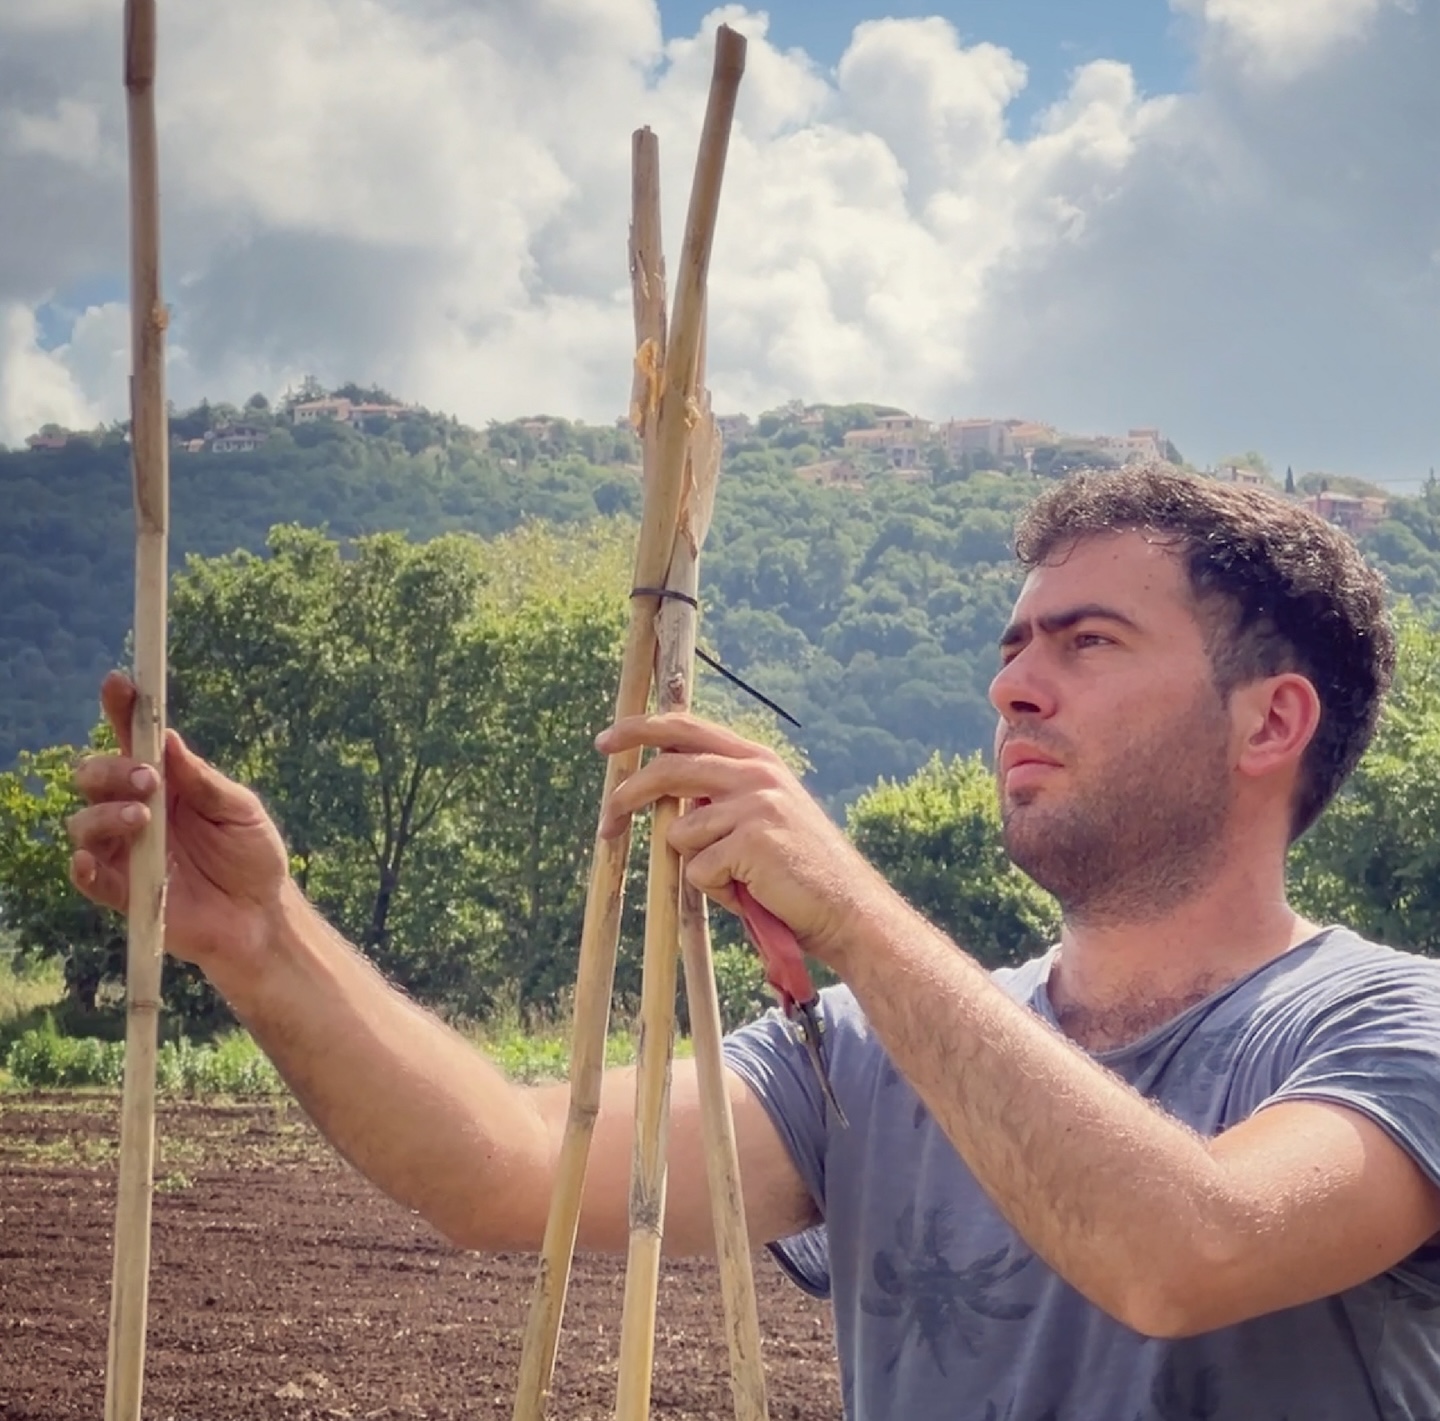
[{"x": 1091, "y": 639}]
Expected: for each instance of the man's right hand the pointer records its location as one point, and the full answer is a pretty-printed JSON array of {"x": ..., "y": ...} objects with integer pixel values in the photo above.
[{"x": 228, "y": 867}]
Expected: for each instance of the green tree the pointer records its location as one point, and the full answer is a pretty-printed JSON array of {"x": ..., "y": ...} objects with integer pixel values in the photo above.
[
  {"x": 1373, "y": 859},
  {"x": 936, "y": 837},
  {"x": 47, "y": 919},
  {"x": 420, "y": 718},
  {"x": 37, "y": 905},
  {"x": 1251, "y": 459}
]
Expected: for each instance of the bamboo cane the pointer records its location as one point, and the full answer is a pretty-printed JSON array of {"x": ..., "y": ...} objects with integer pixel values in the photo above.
[
  {"x": 676, "y": 430},
  {"x": 675, "y": 671},
  {"x": 674, "y": 681},
  {"x": 145, "y": 948},
  {"x": 600, "y": 932}
]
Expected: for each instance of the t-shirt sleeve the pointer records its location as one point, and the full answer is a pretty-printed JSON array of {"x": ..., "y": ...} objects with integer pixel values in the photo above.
[
  {"x": 1376, "y": 1050},
  {"x": 769, "y": 1058}
]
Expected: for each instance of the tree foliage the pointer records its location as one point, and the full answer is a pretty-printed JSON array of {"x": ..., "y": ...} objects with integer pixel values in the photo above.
[
  {"x": 1373, "y": 859},
  {"x": 936, "y": 837},
  {"x": 419, "y": 718}
]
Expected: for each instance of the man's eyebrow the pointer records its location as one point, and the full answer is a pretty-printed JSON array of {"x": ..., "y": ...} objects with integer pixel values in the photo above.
[{"x": 1054, "y": 622}]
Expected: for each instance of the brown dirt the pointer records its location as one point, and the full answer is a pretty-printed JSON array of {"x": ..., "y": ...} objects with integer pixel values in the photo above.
[{"x": 284, "y": 1286}]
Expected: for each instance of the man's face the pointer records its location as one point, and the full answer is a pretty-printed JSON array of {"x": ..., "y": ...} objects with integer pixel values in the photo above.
[{"x": 1112, "y": 753}]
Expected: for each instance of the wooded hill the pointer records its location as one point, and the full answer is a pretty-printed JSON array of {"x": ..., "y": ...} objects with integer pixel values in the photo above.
[{"x": 869, "y": 610}]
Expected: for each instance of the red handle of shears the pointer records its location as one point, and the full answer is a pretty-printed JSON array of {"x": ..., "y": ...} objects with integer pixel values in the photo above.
[
  {"x": 788, "y": 976},
  {"x": 779, "y": 951}
]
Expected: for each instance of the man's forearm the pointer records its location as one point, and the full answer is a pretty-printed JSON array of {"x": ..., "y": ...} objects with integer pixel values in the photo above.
[
  {"x": 1113, "y": 1194},
  {"x": 406, "y": 1100}
]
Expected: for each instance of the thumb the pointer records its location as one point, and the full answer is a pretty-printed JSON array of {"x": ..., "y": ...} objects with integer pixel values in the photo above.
[{"x": 200, "y": 784}]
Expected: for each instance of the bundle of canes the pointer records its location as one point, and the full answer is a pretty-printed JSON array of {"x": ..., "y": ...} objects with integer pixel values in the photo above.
[
  {"x": 145, "y": 948},
  {"x": 680, "y": 461}
]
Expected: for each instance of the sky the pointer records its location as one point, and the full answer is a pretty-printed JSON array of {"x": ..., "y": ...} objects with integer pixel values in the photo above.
[{"x": 1218, "y": 217}]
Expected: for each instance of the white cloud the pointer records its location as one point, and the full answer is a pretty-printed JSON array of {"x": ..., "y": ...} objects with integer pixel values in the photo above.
[
  {"x": 70, "y": 133},
  {"x": 1283, "y": 38},
  {"x": 433, "y": 194},
  {"x": 36, "y": 386}
]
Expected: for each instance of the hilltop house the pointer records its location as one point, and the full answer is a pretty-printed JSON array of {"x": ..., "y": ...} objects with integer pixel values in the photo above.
[
  {"x": 978, "y": 436},
  {"x": 1357, "y": 515},
  {"x": 343, "y": 411},
  {"x": 898, "y": 436},
  {"x": 237, "y": 439}
]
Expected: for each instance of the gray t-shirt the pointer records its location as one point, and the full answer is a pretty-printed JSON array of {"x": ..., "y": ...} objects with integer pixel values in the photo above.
[{"x": 942, "y": 1311}]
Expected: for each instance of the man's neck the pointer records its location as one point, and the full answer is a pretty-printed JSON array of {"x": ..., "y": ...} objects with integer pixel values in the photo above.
[{"x": 1116, "y": 982}]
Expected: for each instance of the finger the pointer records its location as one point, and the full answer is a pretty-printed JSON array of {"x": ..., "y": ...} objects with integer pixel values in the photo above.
[
  {"x": 101, "y": 883},
  {"x": 117, "y": 700},
  {"x": 676, "y": 731},
  {"x": 698, "y": 828},
  {"x": 709, "y": 871},
  {"x": 672, "y": 776},
  {"x": 109, "y": 777},
  {"x": 106, "y": 824},
  {"x": 204, "y": 789}
]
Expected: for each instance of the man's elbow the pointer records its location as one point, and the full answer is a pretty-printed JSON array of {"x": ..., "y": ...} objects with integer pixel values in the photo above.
[
  {"x": 1185, "y": 1296},
  {"x": 489, "y": 1229}
]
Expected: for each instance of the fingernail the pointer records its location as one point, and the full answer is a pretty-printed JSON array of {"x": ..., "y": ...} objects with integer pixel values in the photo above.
[
  {"x": 144, "y": 779},
  {"x": 133, "y": 814}
]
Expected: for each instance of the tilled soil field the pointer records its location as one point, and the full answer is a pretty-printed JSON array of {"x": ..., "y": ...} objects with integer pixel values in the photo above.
[{"x": 284, "y": 1286}]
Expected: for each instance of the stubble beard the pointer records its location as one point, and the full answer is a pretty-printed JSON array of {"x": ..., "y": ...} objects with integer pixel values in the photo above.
[{"x": 1145, "y": 837}]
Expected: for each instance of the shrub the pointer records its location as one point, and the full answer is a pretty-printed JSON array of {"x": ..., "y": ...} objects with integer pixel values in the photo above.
[{"x": 233, "y": 1065}]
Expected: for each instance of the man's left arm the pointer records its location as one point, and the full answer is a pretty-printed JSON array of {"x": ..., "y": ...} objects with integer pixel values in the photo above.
[{"x": 1170, "y": 1233}]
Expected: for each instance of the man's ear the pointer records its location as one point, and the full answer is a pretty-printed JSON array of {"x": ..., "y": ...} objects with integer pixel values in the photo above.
[{"x": 1276, "y": 718}]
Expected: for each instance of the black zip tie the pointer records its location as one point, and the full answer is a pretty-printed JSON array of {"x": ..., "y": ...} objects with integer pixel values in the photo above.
[
  {"x": 663, "y": 592},
  {"x": 749, "y": 690},
  {"x": 713, "y": 663}
]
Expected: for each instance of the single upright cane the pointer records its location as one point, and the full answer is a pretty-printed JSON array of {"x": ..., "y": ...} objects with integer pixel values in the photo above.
[{"x": 150, "y": 457}]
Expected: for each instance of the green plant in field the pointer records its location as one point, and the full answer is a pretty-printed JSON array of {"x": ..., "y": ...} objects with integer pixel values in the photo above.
[
  {"x": 233, "y": 1065},
  {"x": 43, "y": 1057}
]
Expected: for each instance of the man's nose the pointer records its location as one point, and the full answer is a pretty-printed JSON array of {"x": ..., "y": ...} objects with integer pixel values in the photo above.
[{"x": 1021, "y": 688}]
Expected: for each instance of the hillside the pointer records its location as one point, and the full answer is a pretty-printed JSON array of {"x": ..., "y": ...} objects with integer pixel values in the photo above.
[{"x": 864, "y": 597}]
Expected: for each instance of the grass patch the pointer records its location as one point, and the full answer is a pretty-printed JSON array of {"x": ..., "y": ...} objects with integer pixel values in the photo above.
[
  {"x": 29, "y": 994},
  {"x": 232, "y": 1065}
]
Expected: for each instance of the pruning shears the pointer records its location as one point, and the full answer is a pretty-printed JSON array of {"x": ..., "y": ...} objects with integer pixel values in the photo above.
[{"x": 789, "y": 979}]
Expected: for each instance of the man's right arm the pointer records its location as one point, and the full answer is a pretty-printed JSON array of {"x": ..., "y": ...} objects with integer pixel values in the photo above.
[
  {"x": 422, "y": 1113},
  {"x": 409, "y": 1102}
]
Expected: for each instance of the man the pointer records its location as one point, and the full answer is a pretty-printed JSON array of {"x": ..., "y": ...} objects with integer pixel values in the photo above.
[{"x": 1186, "y": 1164}]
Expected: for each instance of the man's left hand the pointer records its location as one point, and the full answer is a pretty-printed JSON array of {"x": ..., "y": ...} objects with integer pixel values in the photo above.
[{"x": 752, "y": 823}]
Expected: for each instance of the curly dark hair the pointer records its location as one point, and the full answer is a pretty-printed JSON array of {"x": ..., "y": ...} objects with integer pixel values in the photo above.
[{"x": 1277, "y": 589}]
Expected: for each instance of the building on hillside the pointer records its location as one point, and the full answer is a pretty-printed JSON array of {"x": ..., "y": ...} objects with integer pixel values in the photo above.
[
  {"x": 1027, "y": 435},
  {"x": 1357, "y": 515},
  {"x": 831, "y": 473},
  {"x": 732, "y": 426},
  {"x": 237, "y": 439},
  {"x": 1140, "y": 446},
  {"x": 361, "y": 412},
  {"x": 313, "y": 410},
  {"x": 1233, "y": 474},
  {"x": 898, "y": 436},
  {"x": 978, "y": 436},
  {"x": 343, "y": 411},
  {"x": 48, "y": 443}
]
